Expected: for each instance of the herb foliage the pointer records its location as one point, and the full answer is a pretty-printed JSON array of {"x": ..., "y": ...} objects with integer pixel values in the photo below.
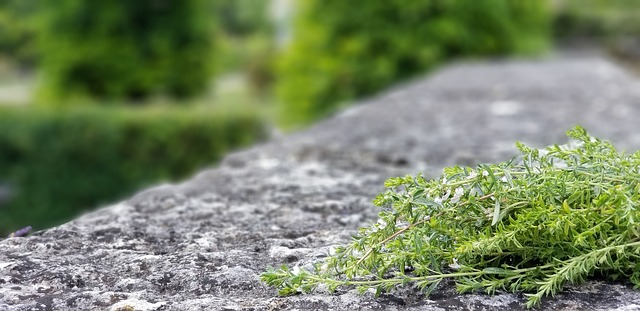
[{"x": 532, "y": 224}]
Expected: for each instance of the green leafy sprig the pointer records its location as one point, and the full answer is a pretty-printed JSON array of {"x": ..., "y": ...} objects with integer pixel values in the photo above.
[{"x": 532, "y": 224}]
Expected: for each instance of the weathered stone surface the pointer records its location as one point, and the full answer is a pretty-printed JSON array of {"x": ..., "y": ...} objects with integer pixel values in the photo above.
[{"x": 201, "y": 244}]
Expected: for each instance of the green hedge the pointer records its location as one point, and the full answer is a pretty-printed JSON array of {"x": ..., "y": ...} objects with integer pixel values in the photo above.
[
  {"x": 125, "y": 49},
  {"x": 342, "y": 50},
  {"x": 60, "y": 163}
]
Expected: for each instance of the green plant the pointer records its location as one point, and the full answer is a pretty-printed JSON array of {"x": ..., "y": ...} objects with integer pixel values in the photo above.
[
  {"x": 59, "y": 163},
  {"x": 242, "y": 18},
  {"x": 18, "y": 33},
  {"x": 533, "y": 224},
  {"x": 339, "y": 53},
  {"x": 125, "y": 49}
]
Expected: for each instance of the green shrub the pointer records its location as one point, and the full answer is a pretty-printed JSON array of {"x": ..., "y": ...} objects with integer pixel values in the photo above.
[
  {"x": 18, "y": 30},
  {"x": 62, "y": 162},
  {"x": 125, "y": 49},
  {"x": 342, "y": 51}
]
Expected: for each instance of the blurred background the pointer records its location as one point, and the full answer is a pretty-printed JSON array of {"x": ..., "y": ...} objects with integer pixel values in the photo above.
[{"x": 99, "y": 99}]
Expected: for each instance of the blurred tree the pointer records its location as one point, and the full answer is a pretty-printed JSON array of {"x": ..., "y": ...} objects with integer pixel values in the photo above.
[
  {"x": 342, "y": 51},
  {"x": 18, "y": 30},
  {"x": 126, "y": 49},
  {"x": 242, "y": 18},
  {"x": 246, "y": 41}
]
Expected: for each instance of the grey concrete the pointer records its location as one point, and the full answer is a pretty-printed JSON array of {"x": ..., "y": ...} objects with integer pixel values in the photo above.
[{"x": 201, "y": 244}]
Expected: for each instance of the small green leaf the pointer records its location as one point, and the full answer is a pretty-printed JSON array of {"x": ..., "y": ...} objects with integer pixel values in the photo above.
[
  {"x": 431, "y": 287},
  {"x": 496, "y": 213},
  {"x": 494, "y": 270}
]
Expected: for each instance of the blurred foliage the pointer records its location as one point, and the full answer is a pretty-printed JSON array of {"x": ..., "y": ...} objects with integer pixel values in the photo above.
[
  {"x": 115, "y": 52},
  {"x": 125, "y": 49},
  {"x": 18, "y": 30},
  {"x": 611, "y": 24},
  {"x": 339, "y": 53},
  {"x": 245, "y": 41},
  {"x": 61, "y": 162},
  {"x": 596, "y": 18},
  {"x": 243, "y": 18},
  {"x": 260, "y": 64}
]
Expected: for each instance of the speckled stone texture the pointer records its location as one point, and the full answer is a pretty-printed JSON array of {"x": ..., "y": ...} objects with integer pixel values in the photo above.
[{"x": 201, "y": 244}]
